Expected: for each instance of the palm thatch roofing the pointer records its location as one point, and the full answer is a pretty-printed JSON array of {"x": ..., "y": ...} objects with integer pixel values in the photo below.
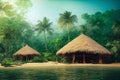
[
  {"x": 26, "y": 50},
  {"x": 83, "y": 43}
]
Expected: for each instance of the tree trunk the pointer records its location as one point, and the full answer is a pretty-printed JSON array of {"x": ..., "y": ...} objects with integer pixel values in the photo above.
[
  {"x": 45, "y": 41},
  {"x": 68, "y": 32},
  {"x": 26, "y": 58},
  {"x": 6, "y": 48},
  {"x": 56, "y": 58},
  {"x": 116, "y": 58},
  {"x": 9, "y": 49}
]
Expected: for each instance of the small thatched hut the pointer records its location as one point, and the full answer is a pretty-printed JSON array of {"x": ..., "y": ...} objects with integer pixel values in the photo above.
[
  {"x": 84, "y": 49},
  {"x": 26, "y": 53}
]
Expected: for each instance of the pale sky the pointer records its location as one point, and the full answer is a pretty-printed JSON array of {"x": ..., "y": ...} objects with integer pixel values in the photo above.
[{"x": 52, "y": 8}]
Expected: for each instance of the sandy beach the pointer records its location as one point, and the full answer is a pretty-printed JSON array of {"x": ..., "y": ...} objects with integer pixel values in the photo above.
[
  {"x": 45, "y": 64},
  {"x": 62, "y": 64}
]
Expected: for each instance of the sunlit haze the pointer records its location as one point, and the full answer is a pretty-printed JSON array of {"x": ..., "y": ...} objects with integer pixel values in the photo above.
[{"x": 52, "y": 8}]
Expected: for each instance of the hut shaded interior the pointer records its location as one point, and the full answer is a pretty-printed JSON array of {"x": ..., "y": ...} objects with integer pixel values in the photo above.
[
  {"x": 26, "y": 57},
  {"x": 83, "y": 57}
]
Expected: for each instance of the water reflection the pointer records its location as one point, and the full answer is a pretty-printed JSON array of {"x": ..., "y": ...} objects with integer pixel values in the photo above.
[{"x": 61, "y": 73}]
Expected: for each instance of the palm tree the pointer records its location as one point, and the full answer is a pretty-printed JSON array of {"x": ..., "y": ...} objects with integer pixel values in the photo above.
[
  {"x": 67, "y": 20},
  {"x": 44, "y": 26}
]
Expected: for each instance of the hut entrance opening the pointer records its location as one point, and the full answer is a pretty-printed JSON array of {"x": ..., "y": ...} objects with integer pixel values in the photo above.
[{"x": 26, "y": 57}]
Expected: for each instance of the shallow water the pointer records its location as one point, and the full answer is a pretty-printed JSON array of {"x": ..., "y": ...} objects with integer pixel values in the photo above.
[{"x": 61, "y": 73}]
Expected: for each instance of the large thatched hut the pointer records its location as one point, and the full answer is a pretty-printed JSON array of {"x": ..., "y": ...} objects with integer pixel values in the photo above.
[
  {"x": 84, "y": 49},
  {"x": 26, "y": 53}
]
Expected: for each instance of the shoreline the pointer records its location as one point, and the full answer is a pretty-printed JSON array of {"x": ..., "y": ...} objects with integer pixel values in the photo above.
[{"x": 50, "y": 64}]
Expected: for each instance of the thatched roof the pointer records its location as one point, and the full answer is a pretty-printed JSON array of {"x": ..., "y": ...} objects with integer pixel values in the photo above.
[
  {"x": 83, "y": 43},
  {"x": 26, "y": 51}
]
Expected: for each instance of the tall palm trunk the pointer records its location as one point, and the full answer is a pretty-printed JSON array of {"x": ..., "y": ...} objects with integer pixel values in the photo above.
[
  {"x": 5, "y": 50},
  {"x": 68, "y": 32},
  {"x": 6, "y": 54},
  {"x": 8, "y": 48},
  {"x": 45, "y": 41},
  {"x": 116, "y": 58}
]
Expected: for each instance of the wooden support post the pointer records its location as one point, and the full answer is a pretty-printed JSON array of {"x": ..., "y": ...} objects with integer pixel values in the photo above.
[
  {"x": 100, "y": 59},
  {"x": 26, "y": 58},
  {"x": 73, "y": 58},
  {"x": 63, "y": 59},
  {"x": 84, "y": 58}
]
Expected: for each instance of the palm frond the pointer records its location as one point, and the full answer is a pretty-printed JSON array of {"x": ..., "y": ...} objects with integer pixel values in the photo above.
[
  {"x": 44, "y": 25},
  {"x": 67, "y": 18}
]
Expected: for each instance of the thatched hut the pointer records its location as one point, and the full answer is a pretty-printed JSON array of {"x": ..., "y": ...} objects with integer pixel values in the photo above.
[
  {"x": 84, "y": 49},
  {"x": 26, "y": 53}
]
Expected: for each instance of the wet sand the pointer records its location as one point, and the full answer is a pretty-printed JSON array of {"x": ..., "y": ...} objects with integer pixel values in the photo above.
[{"x": 47, "y": 64}]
